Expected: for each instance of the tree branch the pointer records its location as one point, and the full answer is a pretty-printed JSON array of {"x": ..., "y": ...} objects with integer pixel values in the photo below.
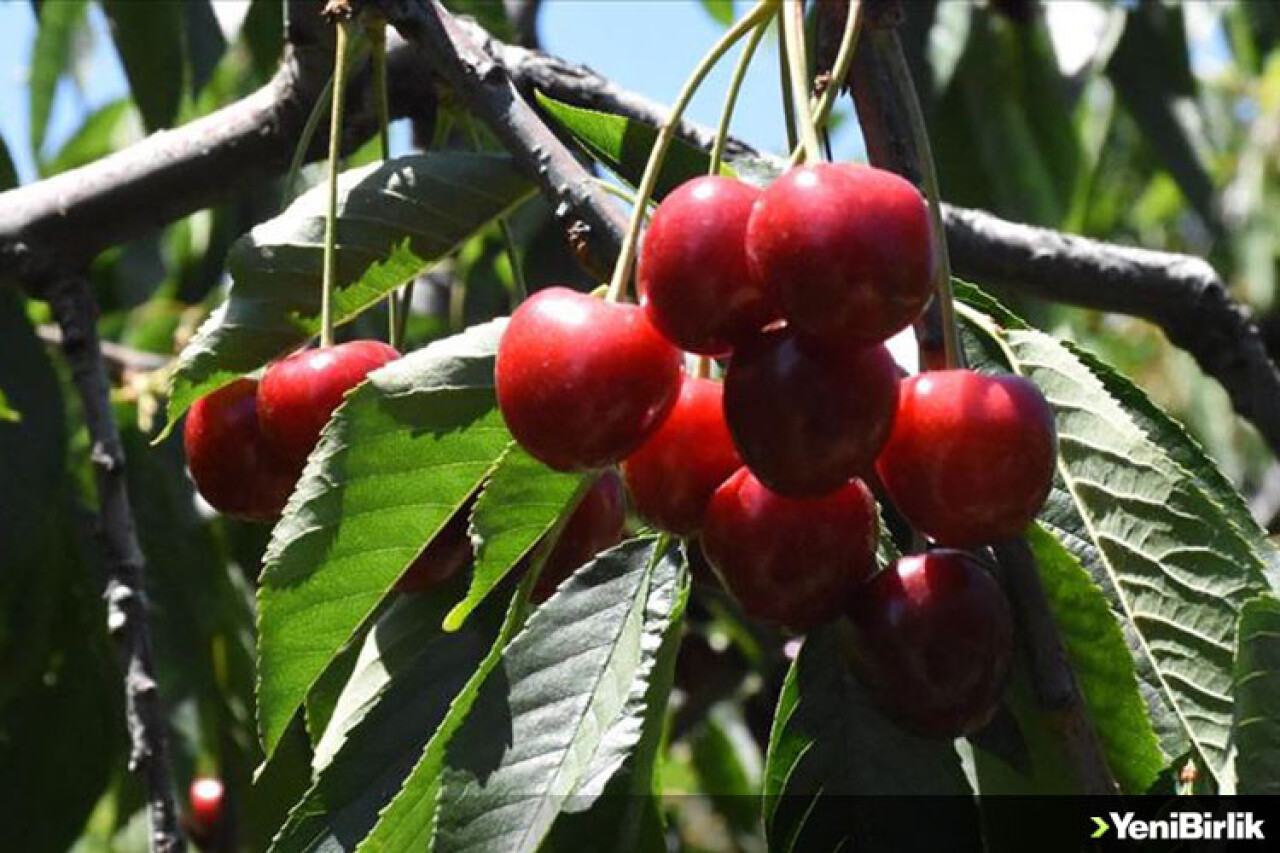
[
  {"x": 594, "y": 224},
  {"x": 72, "y": 303},
  {"x": 1183, "y": 295}
]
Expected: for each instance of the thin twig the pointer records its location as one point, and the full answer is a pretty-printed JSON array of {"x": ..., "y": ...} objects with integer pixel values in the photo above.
[{"x": 73, "y": 306}]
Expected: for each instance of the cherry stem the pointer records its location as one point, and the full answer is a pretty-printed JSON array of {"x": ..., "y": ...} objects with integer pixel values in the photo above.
[
  {"x": 943, "y": 300},
  {"x": 666, "y": 133},
  {"x": 788, "y": 107},
  {"x": 518, "y": 286},
  {"x": 304, "y": 140},
  {"x": 331, "y": 213},
  {"x": 375, "y": 27},
  {"x": 835, "y": 82},
  {"x": 731, "y": 95},
  {"x": 797, "y": 58}
]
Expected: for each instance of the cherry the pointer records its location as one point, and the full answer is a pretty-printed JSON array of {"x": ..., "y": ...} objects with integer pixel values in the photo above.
[
  {"x": 794, "y": 561},
  {"x": 807, "y": 417},
  {"x": 206, "y": 800},
  {"x": 971, "y": 457},
  {"x": 582, "y": 382},
  {"x": 935, "y": 638},
  {"x": 673, "y": 475},
  {"x": 693, "y": 275},
  {"x": 596, "y": 524},
  {"x": 446, "y": 555},
  {"x": 298, "y": 394},
  {"x": 847, "y": 249},
  {"x": 233, "y": 467}
]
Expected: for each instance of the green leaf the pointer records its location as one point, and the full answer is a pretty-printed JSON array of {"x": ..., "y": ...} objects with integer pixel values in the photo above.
[
  {"x": 1257, "y": 679},
  {"x": 729, "y": 765},
  {"x": 721, "y": 11},
  {"x": 263, "y": 34},
  {"x": 7, "y": 414},
  {"x": 107, "y": 129},
  {"x": 567, "y": 692},
  {"x": 148, "y": 37},
  {"x": 407, "y": 675},
  {"x": 1102, "y": 663},
  {"x": 33, "y": 450},
  {"x": 626, "y": 818},
  {"x": 400, "y": 456},
  {"x": 601, "y": 622},
  {"x": 623, "y": 145},
  {"x": 55, "y": 38},
  {"x": 1151, "y": 72},
  {"x": 520, "y": 502},
  {"x": 396, "y": 219},
  {"x": 830, "y": 749},
  {"x": 1177, "y": 566},
  {"x": 8, "y": 171}
]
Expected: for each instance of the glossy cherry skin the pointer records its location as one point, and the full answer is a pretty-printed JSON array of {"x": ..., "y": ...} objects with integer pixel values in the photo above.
[
  {"x": 847, "y": 249},
  {"x": 934, "y": 642},
  {"x": 205, "y": 798},
  {"x": 806, "y": 417},
  {"x": 446, "y": 555},
  {"x": 298, "y": 394},
  {"x": 694, "y": 279},
  {"x": 971, "y": 457},
  {"x": 673, "y": 475},
  {"x": 233, "y": 467},
  {"x": 582, "y": 382},
  {"x": 596, "y": 525},
  {"x": 793, "y": 561}
]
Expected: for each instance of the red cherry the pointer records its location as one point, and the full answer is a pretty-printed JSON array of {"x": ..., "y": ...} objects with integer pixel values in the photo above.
[
  {"x": 596, "y": 524},
  {"x": 299, "y": 393},
  {"x": 795, "y": 561},
  {"x": 971, "y": 457},
  {"x": 694, "y": 280},
  {"x": 205, "y": 797},
  {"x": 233, "y": 467},
  {"x": 447, "y": 554},
  {"x": 847, "y": 249},
  {"x": 582, "y": 382},
  {"x": 807, "y": 417},
  {"x": 935, "y": 637},
  {"x": 673, "y": 475}
]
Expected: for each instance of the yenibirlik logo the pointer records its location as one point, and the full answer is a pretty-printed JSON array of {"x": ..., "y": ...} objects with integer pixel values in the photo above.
[{"x": 1182, "y": 826}]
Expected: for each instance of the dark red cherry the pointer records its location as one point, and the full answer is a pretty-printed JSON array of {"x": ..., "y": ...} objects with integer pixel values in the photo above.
[
  {"x": 596, "y": 525},
  {"x": 794, "y": 561},
  {"x": 205, "y": 798},
  {"x": 935, "y": 638},
  {"x": 807, "y": 417},
  {"x": 299, "y": 393},
  {"x": 693, "y": 275},
  {"x": 673, "y": 475},
  {"x": 971, "y": 457},
  {"x": 447, "y": 554},
  {"x": 582, "y": 382},
  {"x": 847, "y": 249},
  {"x": 233, "y": 467}
]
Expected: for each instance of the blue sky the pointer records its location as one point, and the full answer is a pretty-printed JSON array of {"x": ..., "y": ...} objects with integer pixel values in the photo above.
[{"x": 629, "y": 41}]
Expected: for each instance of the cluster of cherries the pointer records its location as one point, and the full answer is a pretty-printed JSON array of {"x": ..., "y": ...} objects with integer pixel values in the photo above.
[
  {"x": 798, "y": 286},
  {"x": 247, "y": 443}
]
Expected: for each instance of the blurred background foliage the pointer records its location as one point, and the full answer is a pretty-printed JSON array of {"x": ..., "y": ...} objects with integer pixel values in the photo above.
[{"x": 1147, "y": 123}]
